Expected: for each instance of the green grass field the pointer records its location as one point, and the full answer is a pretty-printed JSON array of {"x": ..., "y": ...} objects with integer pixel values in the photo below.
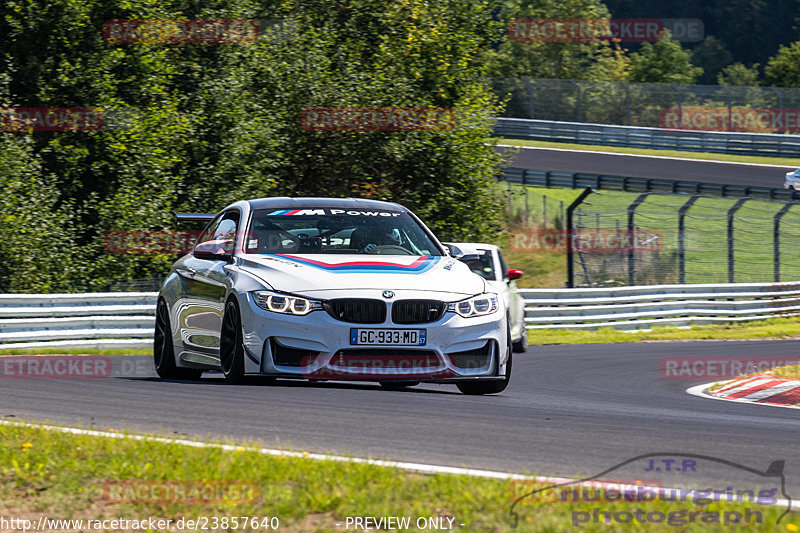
[
  {"x": 761, "y": 160},
  {"x": 706, "y": 229},
  {"x": 81, "y": 477},
  {"x": 772, "y": 329}
]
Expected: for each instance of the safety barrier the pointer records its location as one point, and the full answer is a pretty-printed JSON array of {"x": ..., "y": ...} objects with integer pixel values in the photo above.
[
  {"x": 580, "y": 180},
  {"x": 762, "y": 144},
  {"x": 641, "y": 307},
  {"x": 94, "y": 320},
  {"x": 126, "y": 320}
]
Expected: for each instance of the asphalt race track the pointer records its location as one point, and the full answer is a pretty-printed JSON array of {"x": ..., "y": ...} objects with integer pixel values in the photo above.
[
  {"x": 569, "y": 410},
  {"x": 650, "y": 167}
]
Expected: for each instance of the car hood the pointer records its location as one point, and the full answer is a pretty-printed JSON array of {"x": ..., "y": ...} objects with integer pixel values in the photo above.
[{"x": 307, "y": 274}]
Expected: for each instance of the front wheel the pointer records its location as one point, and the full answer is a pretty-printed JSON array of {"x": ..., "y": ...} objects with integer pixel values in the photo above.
[
  {"x": 163, "y": 352},
  {"x": 490, "y": 387},
  {"x": 231, "y": 345}
]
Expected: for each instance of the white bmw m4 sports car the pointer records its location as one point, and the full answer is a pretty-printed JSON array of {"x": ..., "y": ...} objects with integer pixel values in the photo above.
[{"x": 329, "y": 289}]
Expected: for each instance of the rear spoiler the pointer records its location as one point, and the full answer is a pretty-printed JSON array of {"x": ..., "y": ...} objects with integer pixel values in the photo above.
[{"x": 195, "y": 217}]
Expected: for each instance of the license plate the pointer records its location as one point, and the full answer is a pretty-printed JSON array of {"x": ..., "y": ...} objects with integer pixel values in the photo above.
[{"x": 388, "y": 337}]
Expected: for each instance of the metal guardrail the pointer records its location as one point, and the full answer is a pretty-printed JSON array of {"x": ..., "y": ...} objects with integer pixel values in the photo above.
[
  {"x": 93, "y": 320},
  {"x": 581, "y": 180},
  {"x": 118, "y": 320},
  {"x": 763, "y": 144},
  {"x": 635, "y": 308}
]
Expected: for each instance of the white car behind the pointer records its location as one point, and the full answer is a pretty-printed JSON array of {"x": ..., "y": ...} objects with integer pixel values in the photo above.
[{"x": 492, "y": 267}]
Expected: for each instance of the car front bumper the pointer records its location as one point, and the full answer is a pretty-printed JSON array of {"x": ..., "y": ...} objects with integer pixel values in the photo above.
[{"x": 318, "y": 346}]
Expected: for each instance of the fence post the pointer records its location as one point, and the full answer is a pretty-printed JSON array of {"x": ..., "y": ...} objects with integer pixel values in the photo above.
[
  {"x": 627, "y": 103},
  {"x": 631, "y": 251},
  {"x": 776, "y": 240},
  {"x": 572, "y": 207},
  {"x": 730, "y": 107},
  {"x": 731, "y": 259},
  {"x": 682, "y": 238},
  {"x": 679, "y": 95},
  {"x": 577, "y": 100},
  {"x": 531, "y": 98},
  {"x": 544, "y": 210}
]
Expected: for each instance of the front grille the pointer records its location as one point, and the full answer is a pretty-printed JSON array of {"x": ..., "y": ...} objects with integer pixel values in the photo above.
[
  {"x": 471, "y": 359},
  {"x": 285, "y": 356},
  {"x": 417, "y": 311},
  {"x": 358, "y": 311}
]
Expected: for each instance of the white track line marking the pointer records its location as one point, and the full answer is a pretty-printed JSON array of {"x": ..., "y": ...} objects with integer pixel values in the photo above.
[
  {"x": 788, "y": 167},
  {"x": 411, "y": 467},
  {"x": 699, "y": 391}
]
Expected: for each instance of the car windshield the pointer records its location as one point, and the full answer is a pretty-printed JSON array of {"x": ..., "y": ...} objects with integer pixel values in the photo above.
[
  {"x": 336, "y": 231},
  {"x": 484, "y": 266}
]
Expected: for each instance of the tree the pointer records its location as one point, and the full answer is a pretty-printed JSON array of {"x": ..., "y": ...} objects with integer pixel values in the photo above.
[
  {"x": 214, "y": 123},
  {"x": 783, "y": 69},
  {"x": 739, "y": 75},
  {"x": 712, "y": 56},
  {"x": 664, "y": 61},
  {"x": 514, "y": 58}
]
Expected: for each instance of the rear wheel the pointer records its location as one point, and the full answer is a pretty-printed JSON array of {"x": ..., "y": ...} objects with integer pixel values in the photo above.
[
  {"x": 521, "y": 345},
  {"x": 163, "y": 352},
  {"x": 490, "y": 387},
  {"x": 231, "y": 346}
]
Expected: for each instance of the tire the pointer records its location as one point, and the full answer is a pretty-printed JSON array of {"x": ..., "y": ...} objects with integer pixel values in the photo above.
[
  {"x": 521, "y": 345},
  {"x": 475, "y": 388},
  {"x": 398, "y": 385},
  {"x": 231, "y": 344},
  {"x": 163, "y": 352}
]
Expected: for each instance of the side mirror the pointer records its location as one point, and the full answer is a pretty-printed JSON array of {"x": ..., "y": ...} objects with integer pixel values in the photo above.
[
  {"x": 463, "y": 253},
  {"x": 214, "y": 251},
  {"x": 513, "y": 274}
]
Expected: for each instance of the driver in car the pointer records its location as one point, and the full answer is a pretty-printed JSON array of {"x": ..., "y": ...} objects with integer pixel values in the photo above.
[{"x": 381, "y": 236}]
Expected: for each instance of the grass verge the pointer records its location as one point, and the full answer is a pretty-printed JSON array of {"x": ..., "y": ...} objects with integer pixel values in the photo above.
[
  {"x": 771, "y": 329},
  {"x": 761, "y": 160},
  {"x": 75, "y": 351},
  {"x": 70, "y": 476}
]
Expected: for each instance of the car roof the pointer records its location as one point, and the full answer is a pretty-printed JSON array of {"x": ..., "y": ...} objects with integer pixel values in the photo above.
[{"x": 302, "y": 203}]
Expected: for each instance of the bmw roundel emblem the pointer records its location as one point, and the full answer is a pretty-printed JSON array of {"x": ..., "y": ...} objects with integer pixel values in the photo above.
[{"x": 388, "y": 294}]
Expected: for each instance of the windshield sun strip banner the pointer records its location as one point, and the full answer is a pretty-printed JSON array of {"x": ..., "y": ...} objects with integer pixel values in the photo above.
[
  {"x": 419, "y": 265},
  {"x": 331, "y": 212}
]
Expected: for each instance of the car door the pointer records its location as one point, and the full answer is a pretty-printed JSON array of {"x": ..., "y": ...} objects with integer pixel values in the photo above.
[{"x": 205, "y": 284}]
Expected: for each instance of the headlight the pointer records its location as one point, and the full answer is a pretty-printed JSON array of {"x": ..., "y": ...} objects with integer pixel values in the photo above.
[
  {"x": 482, "y": 304},
  {"x": 285, "y": 303}
]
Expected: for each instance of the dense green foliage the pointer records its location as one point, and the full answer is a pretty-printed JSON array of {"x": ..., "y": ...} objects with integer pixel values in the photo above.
[
  {"x": 194, "y": 126},
  {"x": 215, "y": 123},
  {"x": 737, "y": 31}
]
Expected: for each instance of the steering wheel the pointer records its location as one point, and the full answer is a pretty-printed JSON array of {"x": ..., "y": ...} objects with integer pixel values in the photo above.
[{"x": 390, "y": 249}]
